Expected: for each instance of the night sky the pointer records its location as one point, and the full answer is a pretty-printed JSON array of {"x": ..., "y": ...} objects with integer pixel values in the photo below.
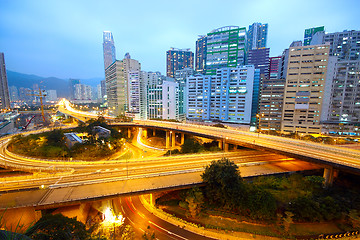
[{"x": 63, "y": 38}]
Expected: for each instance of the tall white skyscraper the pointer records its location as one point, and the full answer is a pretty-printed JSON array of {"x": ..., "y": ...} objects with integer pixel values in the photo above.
[{"x": 109, "y": 49}]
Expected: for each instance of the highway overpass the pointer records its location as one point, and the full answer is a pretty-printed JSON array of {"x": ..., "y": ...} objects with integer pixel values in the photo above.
[{"x": 332, "y": 156}]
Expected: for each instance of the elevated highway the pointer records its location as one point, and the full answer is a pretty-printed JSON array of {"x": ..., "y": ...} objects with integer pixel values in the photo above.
[{"x": 332, "y": 156}]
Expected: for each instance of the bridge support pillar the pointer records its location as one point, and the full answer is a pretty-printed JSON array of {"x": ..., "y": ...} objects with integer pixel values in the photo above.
[
  {"x": 167, "y": 140},
  {"x": 145, "y": 132},
  {"x": 226, "y": 147},
  {"x": 154, "y": 132},
  {"x": 152, "y": 199},
  {"x": 182, "y": 139},
  {"x": 329, "y": 174},
  {"x": 129, "y": 132},
  {"x": 220, "y": 144},
  {"x": 172, "y": 139}
]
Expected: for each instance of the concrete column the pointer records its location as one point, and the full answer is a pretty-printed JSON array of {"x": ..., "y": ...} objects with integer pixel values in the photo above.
[
  {"x": 172, "y": 139},
  {"x": 167, "y": 139},
  {"x": 182, "y": 139},
  {"x": 329, "y": 174},
  {"x": 154, "y": 132},
  {"x": 220, "y": 144},
  {"x": 152, "y": 199},
  {"x": 226, "y": 147},
  {"x": 145, "y": 133},
  {"x": 129, "y": 133}
]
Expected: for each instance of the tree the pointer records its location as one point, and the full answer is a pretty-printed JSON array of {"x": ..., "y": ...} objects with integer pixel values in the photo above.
[
  {"x": 56, "y": 138},
  {"x": 224, "y": 185},
  {"x": 58, "y": 227},
  {"x": 195, "y": 199},
  {"x": 191, "y": 145}
]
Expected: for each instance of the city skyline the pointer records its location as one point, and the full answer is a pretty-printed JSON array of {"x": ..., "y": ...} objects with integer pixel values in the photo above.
[{"x": 38, "y": 38}]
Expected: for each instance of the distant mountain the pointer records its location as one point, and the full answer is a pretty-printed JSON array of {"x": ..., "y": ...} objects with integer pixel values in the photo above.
[{"x": 50, "y": 83}]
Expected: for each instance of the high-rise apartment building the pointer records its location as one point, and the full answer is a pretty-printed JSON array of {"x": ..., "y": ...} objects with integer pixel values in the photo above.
[
  {"x": 260, "y": 59},
  {"x": 226, "y": 47},
  {"x": 310, "y": 73},
  {"x": 4, "y": 88},
  {"x": 162, "y": 97},
  {"x": 177, "y": 59},
  {"x": 283, "y": 64},
  {"x": 345, "y": 45},
  {"x": 51, "y": 96},
  {"x": 109, "y": 49},
  {"x": 271, "y": 104},
  {"x": 228, "y": 96},
  {"x": 180, "y": 77},
  {"x": 310, "y": 32},
  {"x": 117, "y": 85},
  {"x": 72, "y": 83},
  {"x": 200, "y": 54},
  {"x": 343, "y": 115},
  {"x": 83, "y": 92},
  {"x": 274, "y": 67},
  {"x": 14, "y": 94},
  {"x": 257, "y": 36}
]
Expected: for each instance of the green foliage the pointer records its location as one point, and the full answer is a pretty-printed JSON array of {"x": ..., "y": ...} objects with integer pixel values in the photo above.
[
  {"x": 56, "y": 138},
  {"x": 224, "y": 185},
  {"x": 260, "y": 203},
  {"x": 191, "y": 145},
  {"x": 48, "y": 144},
  {"x": 195, "y": 200},
  {"x": 311, "y": 209},
  {"x": 58, "y": 227}
]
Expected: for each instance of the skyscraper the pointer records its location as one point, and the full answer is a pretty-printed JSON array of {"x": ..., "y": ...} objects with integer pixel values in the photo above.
[
  {"x": 178, "y": 59},
  {"x": 72, "y": 83},
  {"x": 108, "y": 48},
  {"x": 118, "y": 86},
  {"x": 257, "y": 36},
  {"x": 228, "y": 96},
  {"x": 226, "y": 47},
  {"x": 4, "y": 89},
  {"x": 260, "y": 59},
  {"x": 309, "y": 33},
  {"x": 200, "y": 54},
  {"x": 344, "y": 101},
  {"x": 309, "y": 75}
]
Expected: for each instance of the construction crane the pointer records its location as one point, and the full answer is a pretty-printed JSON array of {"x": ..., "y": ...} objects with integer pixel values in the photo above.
[{"x": 41, "y": 95}]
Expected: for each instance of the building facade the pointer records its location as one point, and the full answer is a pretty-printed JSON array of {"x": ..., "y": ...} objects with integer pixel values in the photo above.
[
  {"x": 260, "y": 59},
  {"x": 257, "y": 36},
  {"x": 227, "y": 96},
  {"x": 181, "y": 77},
  {"x": 226, "y": 47},
  {"x": 200, "y": 54},
  {"x": 117, "y": 85},
  {"x": 310, "y": 32},
  {"x": 4, "y": 88},
  {"x": 274, "y": 67},
  {"x": 271, "y": 104},
  {"x": 108, "y": 49},
  {"x": 177, "y": 59},
  {"x": 310, "y": 71}
]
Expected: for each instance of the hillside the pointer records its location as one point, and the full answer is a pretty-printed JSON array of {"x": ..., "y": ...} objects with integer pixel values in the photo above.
[{"x": 60, "y": 85}]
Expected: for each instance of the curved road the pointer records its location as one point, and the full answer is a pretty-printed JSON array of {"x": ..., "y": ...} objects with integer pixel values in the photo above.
[{"x": 140, "y": 219}]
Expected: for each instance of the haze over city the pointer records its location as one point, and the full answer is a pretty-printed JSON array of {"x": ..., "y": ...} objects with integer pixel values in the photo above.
[{"x": 64, "y": 38}]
